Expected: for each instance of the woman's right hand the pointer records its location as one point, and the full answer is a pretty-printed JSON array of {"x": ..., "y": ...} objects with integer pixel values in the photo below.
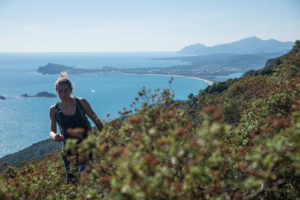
[{"x": 59, "y": 138}]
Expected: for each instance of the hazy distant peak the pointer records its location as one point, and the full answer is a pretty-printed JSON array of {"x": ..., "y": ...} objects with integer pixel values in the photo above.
[
  {"x": 191, "y": 49},
  {"x": 198, "y": 45},
  {"x": 250, "y": 39},
  {"x": 250, "y": 45},
  {"x": 253, "y": 38}
]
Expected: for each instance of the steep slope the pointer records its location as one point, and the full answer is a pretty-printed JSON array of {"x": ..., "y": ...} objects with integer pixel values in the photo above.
[
  {"x": 37, "y": 150},
  {"x": 235, "y": 140}
]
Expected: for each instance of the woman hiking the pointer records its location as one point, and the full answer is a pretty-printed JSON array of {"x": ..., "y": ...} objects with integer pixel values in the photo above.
[{"x": 70, "y": 114}]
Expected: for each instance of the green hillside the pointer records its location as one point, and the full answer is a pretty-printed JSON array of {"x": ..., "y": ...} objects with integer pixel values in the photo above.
[
  {"x": 237, "y": 139},
  {"x": 37, "y": 150}
]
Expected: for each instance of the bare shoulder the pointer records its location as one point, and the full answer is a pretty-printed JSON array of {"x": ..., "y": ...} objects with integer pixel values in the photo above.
[
  {"x": 80, "y": 98},
  {"x": 83, "y": 101},
  {"x": 51, "y": 111},
  {"x": 52, "y": 108}
]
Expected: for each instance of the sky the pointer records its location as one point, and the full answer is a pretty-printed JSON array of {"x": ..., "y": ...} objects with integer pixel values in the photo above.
[{"x": 140, "y": 25}]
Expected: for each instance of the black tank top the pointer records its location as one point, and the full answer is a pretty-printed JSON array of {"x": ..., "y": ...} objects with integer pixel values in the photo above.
[{"x": 74, "y": 126}]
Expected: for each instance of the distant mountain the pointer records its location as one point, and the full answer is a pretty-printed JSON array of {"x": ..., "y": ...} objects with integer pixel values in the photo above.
[{"x": 252, "y": 45}]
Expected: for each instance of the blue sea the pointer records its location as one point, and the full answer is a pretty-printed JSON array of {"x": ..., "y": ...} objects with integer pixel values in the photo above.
[{"x": 24, "y": 121}]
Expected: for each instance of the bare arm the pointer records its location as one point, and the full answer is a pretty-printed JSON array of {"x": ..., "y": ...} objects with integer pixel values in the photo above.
[
  {"x": 53, "y": 134},
  {"x": 91, "y": 114}
]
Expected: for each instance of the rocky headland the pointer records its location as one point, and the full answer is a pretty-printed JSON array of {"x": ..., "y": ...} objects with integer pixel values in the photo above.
[{"x": 52, "y": 68}]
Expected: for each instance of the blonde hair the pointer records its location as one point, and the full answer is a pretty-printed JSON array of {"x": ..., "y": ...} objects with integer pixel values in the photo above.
[{"x": 63, "y": 80}]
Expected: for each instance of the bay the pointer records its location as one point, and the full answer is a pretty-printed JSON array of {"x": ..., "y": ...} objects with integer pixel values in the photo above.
[{"x": 24, "y": 121}]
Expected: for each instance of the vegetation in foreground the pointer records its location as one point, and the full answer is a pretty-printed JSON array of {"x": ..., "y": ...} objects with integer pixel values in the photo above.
[{"x": 234, "y": 140}]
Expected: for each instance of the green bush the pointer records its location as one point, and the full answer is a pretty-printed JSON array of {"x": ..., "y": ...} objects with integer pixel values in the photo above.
[{"x": 238, "y": 143}]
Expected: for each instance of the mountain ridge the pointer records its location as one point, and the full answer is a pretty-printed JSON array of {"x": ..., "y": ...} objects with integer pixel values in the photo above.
[{"x": 250, "y": 45}]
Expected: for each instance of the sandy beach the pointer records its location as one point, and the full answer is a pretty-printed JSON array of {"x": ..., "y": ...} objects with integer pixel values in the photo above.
[{"x": 173, "y": 75}]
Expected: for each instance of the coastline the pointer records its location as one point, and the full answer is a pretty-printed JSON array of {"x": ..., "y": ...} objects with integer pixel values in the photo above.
[
  {"x": 51, "y": 68},
  {"x": 192, "y": 77}
]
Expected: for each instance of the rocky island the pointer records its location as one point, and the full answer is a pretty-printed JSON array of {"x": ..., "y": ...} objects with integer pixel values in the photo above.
[{"x": 40, "y": 94}]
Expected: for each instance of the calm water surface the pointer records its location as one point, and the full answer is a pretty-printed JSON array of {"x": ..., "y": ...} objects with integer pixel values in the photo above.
[{"x": 24, "y": 121}]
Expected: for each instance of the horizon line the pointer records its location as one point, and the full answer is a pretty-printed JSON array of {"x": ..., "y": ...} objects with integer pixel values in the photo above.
[
  {"x": 158, "y": 51},
  {"x": 150, "y": 51}
]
